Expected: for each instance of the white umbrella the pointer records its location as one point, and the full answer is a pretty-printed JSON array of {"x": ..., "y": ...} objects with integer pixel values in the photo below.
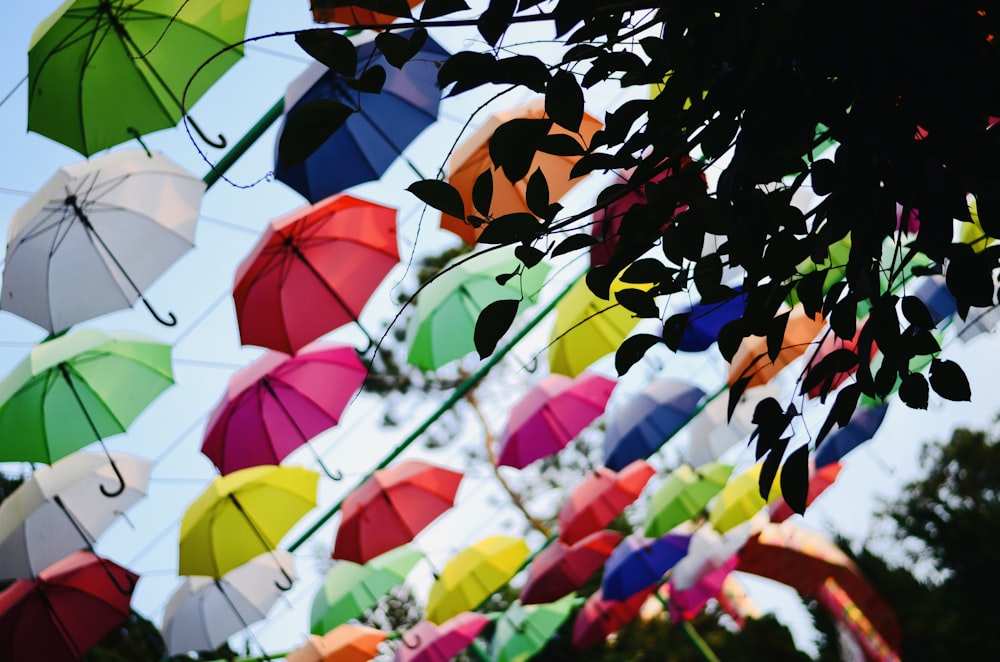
[
  {"x": 61, "y": 509},
  {"x": 204, "y": 612},
  {"x": 96, "y": 235},
  {"x": 979, "y": 321},
  {"x": 709, "y": 550},
  {"x": 711, "y": 435}
]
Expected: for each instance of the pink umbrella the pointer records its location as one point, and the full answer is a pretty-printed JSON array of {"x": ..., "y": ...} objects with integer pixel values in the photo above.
[
  {"x": 601, "y": 497},
  {"x": 685, "y": 605},
  {"x": 550, "y": 415},
  {"x": 280, "y": 402},
  {"x": 599, "y": 617},
  {"x": 560, "y": 569},
  {"x": 426, "y": 642}
]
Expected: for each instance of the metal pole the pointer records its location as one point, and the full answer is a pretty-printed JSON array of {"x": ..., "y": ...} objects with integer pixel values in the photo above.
[{"x": 244, "y": 143}]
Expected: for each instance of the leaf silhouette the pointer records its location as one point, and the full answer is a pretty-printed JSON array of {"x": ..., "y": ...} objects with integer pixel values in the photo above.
[{"x": 493, "y": 321}]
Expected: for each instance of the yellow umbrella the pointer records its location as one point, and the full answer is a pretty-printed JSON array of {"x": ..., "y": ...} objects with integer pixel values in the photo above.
[
  {"x": 344, "y": 643},
  {"x": 473, "y": 575},
  {"x": 740, "y": 499},
  {"x": 242, "y": 515}
]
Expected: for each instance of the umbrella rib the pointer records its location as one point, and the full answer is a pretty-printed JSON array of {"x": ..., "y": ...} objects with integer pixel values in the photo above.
[{"x": 57, "y": 619}]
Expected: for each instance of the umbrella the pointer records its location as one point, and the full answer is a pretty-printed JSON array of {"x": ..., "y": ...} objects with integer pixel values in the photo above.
[
  {"x": 863, "y": 425},
  {"x": 442, "y": 327},
  {"x": 647, "y": 420},
  {"x": 712, "y": 433},
  {"x": 684, "y": 495},
  {"x": 560, "y": 569},
  {"x": 599, "y": 617},
  {"x": 76, "y": 389},
  {"x": 242, "y": 515},
  {"x": 687, "y": 603},
  {"x": 819, "y": 480},
  {"x": 313, "y": 270},
  {"x": 353, "y": 15},
  {"x": 65, "y": 611},
  {"x": 350, "y": 589},
  {"x": 281, "y": 402},
  {"x": 639, "y": 563},
  {"x": 599, "y": 498},
  {"x": 204, "y": 612},
  {"x": 58, "y": 510},
  {"x": 703, "y": 321},
  {"x": 391, "y": 507},
  {"x": 751, "y": 359},
  {"x": 550, "y": 416},
  {"x": 96, "y": 236},
  {"x": 427, "y": 642},
  {"x": 979, "y": 321},
  {"x": 472, "y": 158},
  {"x": 710, "y": 550},
  {"x": 345, "y": 643},
  {"x": 364, "y": 147},
  {"x": 524, "y": 630},
  {"x": 472, "y": 575},
  {"x": 101, "y": 73},
  {"x": 740, "y": 499}
]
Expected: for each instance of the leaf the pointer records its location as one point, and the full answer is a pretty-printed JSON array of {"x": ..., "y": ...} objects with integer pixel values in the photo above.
[
  {"x": 528, "y": 255},
  {"x": 513, "y": 144},
  {"x": 639, "y": 302},
  {"x": 735, "y": 394},
  {"x": 482, "y": 193},
  {"x": 438, "y": 8},
  {"x": 776, "y": 336},
  {"x": 674, "y": 328},
  {"x": 537, "y": 194},
  {"x": 511, "y": 229},
  {"x": 494, "y": 321},
  {"x": 564, "y": 101},
  {"x": 836, "y": 362},
  {"x": 440, "y": 195},
  {"x": 496, "y": 19},
  {"x": 307, "y": 127},
  {"x": 916, "y": 313},
  {"x": 841, "y": 411},
  {"x": 574, "y": 242},
  {"x": 647, "y": 270},
  {"x": 560, "y": 144},
  {"x": 824, "y": 176},
  {"x": 913, "y": 391},
  {"x": 370, "y": 81},
  {"x": 810, "y": 292},
  {"x": 769, "y": 468},
  {"x": 731, "y": 335},
  {"x": 632, "y": 350},
  {"x": 467, "y": 70},
  {"x": 525, "y": 70},
  {"x": 795, "y": 479},
  {"x": 330, "y": 48},
  {"x": 949, "y": 381},
  {"x": 398, "y": 50}
]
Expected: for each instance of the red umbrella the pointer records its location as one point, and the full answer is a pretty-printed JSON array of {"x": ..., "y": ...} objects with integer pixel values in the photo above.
[
  {"x": 427, "y": 642},
  {"x": 818, "y": 482},
  {"x": 280, "y": 402},
  {"x": 550, "y": 415},
  {"x": 66, "y": 610},
  {"x": 392, "y": 507},
  {"x": 599, "y": 617},
  {"x": 599, "y": 498},
  {"x": 313, "y": 271},
  {"x": 830, "y": 343},
  {"x": 560, "y": 569}
]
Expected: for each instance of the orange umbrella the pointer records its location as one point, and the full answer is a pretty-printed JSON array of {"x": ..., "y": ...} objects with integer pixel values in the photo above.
[
  {"x": 472, "y": 158},
  {"x": 344, "y": 643},
  {"x": 751, "y": 359},
  {"x": 351, "y": 14}
]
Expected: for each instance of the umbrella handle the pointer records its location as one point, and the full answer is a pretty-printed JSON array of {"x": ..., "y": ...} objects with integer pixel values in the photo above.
[
  {"x": 218, "y": 144},
  {"x": 114, "y": 580},
  {"x": 121, "y": 481},
  {"x": 170, "y": 320},
  {"x": 287, "y": 577},
  {"x": 408, "y": 644}
]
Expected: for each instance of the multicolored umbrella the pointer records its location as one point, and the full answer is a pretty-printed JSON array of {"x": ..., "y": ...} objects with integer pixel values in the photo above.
[
  {"x": 703, "y": 321},
  {"x": 559, "y": 569},
  {"x": 640, "y": 562},
  {"x": 684, "y": 495},
  {"x": 280, "y": 402},
  {"x": 819, "y": 480},
  {"x": 313, "y": 270},
  {"x": 345, "y": 643},
  {"x": 740, "y": 499},
  {"x": 601, "y": 497},
  {"x": 751, "y": 359},
  {"x": 524, "y": 630},
  {"x": 600, "y": 617},
  {"x": 427, "y": 642},
  {"x": 712, "y": 432},
  {"x": 863, "y": 425},
  {"x": 392, "y": 507},
  {"x": 647, "y": 420},
  {"x": 472, "y": 575},
  {"x": 550, "y": 416},
  {"x": 353, "y": 15}
]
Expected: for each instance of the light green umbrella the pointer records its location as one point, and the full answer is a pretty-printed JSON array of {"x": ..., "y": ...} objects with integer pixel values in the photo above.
[
  {"x": 683, "y": 495},
  {"x": 441, "y": 328},
  {"x": 523, "y": 630},
  {"x": 350, "y": 588}
]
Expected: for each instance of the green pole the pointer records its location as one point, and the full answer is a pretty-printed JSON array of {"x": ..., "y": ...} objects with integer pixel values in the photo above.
[
  {"x": 244, "y": 143},
  {"x": 692, "y": 634}
]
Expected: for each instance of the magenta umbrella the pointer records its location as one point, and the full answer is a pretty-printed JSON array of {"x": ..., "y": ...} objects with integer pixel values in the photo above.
[
  {"x": 279, "y": 403},
  {"x": 427, "y": 642},
  {"x": 560, "y": 569},
  {"x": 686, "y": 604},
  {"x": 550, "y": 415}
]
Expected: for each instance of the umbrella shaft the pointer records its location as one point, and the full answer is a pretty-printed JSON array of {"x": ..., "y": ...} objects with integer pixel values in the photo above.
[{"x": 72, "y": 202}]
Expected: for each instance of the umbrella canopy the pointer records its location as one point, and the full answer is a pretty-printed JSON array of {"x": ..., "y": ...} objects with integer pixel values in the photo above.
[
  {"x": 101, "y": 72},
  {"x": 710, "y": 550},
  {"x": 345, "y": 643},
  {"x": 60, "y": 509},
  {"x": 354, "y": 15},
  {"x": 62, "y": 613},
  {"x": 364, "y": 147},
  {"x": 560, "y": 569},
  {"x": 427, "y": 642},
  {"x": 313, "y": 270},
  {"x": 740, "y": 499},
  {"x": 819, "y": 480},
  {"x": 687, "y": 603},
  {"x": 647, "y": 420},
  {"x": 599, "y": 617},
  {"x": 705, "y": 320},
  {"x": 712, "y": 432},
  {"x": 473, "y": 574},
  {"x": 601, "y": 497},
  {"x": 863, "y": 425},
  {"x": 979, "y": 321},
  {"x": 392, "y": 507},
  {"x": 550, "y": 416},
  {"x": 441, "y": 329},
  {"x": 242, "y": 515},
  {"x": 639, "y": 563},
  {"x": 280, "y": 402},
  {"x": 524, "y": 630},
  {"x": 204, "y": 612},
  {"x": 96, "y": 236},
  {"x": 472, "y": 158},
  {"x": 751, "y": 359},
  {"x": 684, "y": 495},
  {"x": 350, "y": 589}
]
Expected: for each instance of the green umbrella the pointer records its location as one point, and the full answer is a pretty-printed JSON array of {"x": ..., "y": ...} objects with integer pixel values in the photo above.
[
  {"x": 441, "y": 328},
  {"x": 101, "y": 72},
  {"x": 683, "y": 495},
  {"x": 76, "y": 389},
  {"x": 350, "y": 588},
  {"x": 523, "y": 630}
]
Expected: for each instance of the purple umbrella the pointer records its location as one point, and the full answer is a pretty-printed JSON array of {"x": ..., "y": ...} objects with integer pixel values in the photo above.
[
  {"x": 703, "y": 321},
  {"x": 640, "y": 562},
  {"x": 859, "y": 429}
]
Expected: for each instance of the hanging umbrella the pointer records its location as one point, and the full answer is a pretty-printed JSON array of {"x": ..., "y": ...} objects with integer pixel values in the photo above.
[
  {"x": 65, "y": 611},
  {"x": 599, "y": 498},
  {"x": 101, "y": 73},
  {"x": 77, "y": 389},
  {"x": 353, "y": 15},
  {"x": 524, "y": 630},
  {"x": 279, "y": 403},
  {"x": 712, "y": 432},
  {"x": 684, "y": 495},
  {"x": 863, "y": 425},
  {"x": 979, "y": 321},
  {"x": 442, "y": 327},
  {"x": 740, "y": 499},
  {"x": 58, "y": 510},
  {"x": 600, "y": 617},
  {"x": 647, "y": 420},
  {"x": 427, "y": 642},
  {"x": 350, "y": 589},
  {"x": 204, "y": 612},
  {"x": 472, "y": 158},
  {"x": 345, "y": 643},
  {"x": 242, "y": 515},
  {"x": 751, "y": 359},
  {"x": 819, "y": 480},
  {"x": 550, "y": 416},
  {"x": 710, "y": 550},
  {"x": 313, "y": 270},
  {"x": 472, "y": 575},
  {"x": 703, "y": 321},
  {"x": 685, "y": 604},
  {"x": 560, "y": 569},
  {"x": 639, "y": 563},
  {"x": 392, "y": 507},
  {"x": 96, "y": 236},
  {"x": 364, "y": 147}
]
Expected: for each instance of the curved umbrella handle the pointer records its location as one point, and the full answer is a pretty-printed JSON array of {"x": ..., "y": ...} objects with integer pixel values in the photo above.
[
  {"x": 408, "y": 644},
  {"x": 121, "y": 481},
  {"x": 336, "y": 475},
  {"x": 170, "y": 320},
  {"x": 218, "y": 144},
  {"x": 287, "y": 577},
  {"x": 114, "y": 580}
]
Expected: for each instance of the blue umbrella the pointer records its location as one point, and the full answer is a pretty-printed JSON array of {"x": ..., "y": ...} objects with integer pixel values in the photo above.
[
  {"x": 858, "y": 430},
  {"x": 371, "y": 139},
  {"x": 639, "y": 562},
  {"x": 638, "y": 429},
  {"x": 705, "y": 320}
]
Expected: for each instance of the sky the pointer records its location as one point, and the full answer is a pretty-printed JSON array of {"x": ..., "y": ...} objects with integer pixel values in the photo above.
[{"x": 207, "y": 349}]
